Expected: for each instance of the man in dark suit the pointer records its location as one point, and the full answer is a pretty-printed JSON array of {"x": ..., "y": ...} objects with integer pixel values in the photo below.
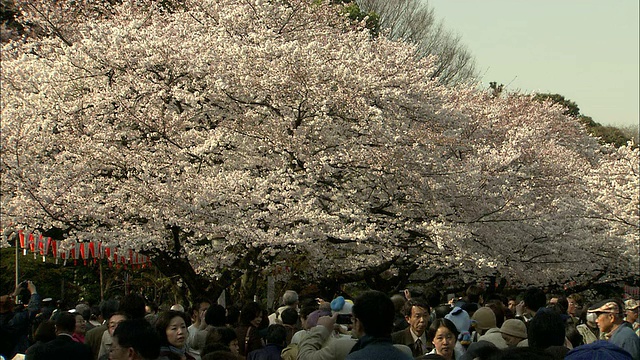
[
  {"x": 416, "y": 312},
  {"x": 63, "y": 347}
]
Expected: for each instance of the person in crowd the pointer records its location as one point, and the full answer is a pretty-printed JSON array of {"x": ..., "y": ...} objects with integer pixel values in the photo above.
[
  {"x": 511, "y": 304},
  {"x": 198, "y": 323},
  {"x": 221, "y": 355},
  {"x": 561, "y": 305},
  {"x": 81, "y": 328},
  {"x": 513, "y": 331},
  {"x": 433, "y": 297},
  {"x": 341, "y": 306},
  {"x": 85, "y": 311},
  {"x": 318, "y": 344},
  {"x": 291, "y": 351},
  {"x": 631, "y": 308},
  {"x": 45, "y": 332},
  {"x": 225, "y": 336},
  {"x": 487, "y": 328},
  {"x": 63, "y": 347},
  {"x": 399, "y": 321},
  {"x": 135, "y": 340},
  {"x": 115, "y": 319},
  {"x": 177, "y": 307},
  {"x": 441, "y": 311},
  {"x": 132, "y": 306},
  {"x": 609, "y": 319},
  {"x": 233, "y": 316},
  {"x": 48, "y": 305},
  {"x": 573, "y": 336},
  {"x": 172, "y": 330},
  {"x": 15, "y": 323},
  {"x": 417, "y": 314},
  {"x": 247, "y": 331},
  {"x": 275, "y": 342},
  {"x": 481, "y": 350},
  {"x": 587, "y": 326},
  {"x": 151, "y": 312},
  {"x": 289, "y": 319},
  {"x": 533, "y": 299},
  {"x": 373, "y": 314},
  {"x": 443, "y": 334},
  {"x": 93, "y": 337},
  {"x": 574, "y": 306},
  {"x": 474, "y": 295},
  {"x": 499, "y": 309},
  {"x": 546, "y": 331},
  {"x": 305, "y": 311},
  {"x": 524, "y": 353},
  {"x": 213, "y": 317},
  {"x": 460, "y": 318},
  {"x": 43, "y": 315},
  {"x": 598, "y": 350},
  {"x": 95, "y": 319},
  {"x": 289, "y": 301}
]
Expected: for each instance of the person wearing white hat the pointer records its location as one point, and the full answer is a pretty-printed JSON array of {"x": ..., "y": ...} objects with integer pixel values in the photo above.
[{"x": 631, "y": 307}]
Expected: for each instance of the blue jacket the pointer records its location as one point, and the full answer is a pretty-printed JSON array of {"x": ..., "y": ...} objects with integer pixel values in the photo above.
[
  {"x": 626, "y": 338},
  {"x": 269, "y": 352},
  {"x": 370, "y": 348}
]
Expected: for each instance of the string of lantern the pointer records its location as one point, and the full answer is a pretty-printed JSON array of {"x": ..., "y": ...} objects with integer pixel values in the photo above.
[{"x": 87, "y": 252}]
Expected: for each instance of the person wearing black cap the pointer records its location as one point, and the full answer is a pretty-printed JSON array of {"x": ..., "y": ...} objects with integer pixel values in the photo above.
[{"x": 610, "y": 322}]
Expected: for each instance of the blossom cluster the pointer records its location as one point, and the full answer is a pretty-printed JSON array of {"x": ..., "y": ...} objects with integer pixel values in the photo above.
[{"x": 279, "y": 131}]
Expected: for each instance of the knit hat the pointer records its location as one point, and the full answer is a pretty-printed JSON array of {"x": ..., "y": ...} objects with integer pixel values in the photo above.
[
  {"x": 599, "y": 350},
  {"x": 484, "y": 319},
  {"x": 631, "y": 304},
  {"x": 514, "y": 327},
  {"x": 341, "y": 306},
  {"x": 312, "y": 319},
  {"x": 461, "y": 320},
  {"x": 606, "y": 306}
]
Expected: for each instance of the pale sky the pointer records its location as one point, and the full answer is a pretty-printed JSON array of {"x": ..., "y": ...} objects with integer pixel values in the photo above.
[{"x": 585, "y": 50}]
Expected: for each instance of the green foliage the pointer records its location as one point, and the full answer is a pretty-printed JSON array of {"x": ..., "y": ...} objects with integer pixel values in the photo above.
[
  {"x": 572, "y": 108},
  {"x": 610, "y": 135},
  {"x": 51, "y": 280},
  {"x": 72, "y": 284},
  {"x": 356, "y": 14},
  {"x": 607, "y": 134}
]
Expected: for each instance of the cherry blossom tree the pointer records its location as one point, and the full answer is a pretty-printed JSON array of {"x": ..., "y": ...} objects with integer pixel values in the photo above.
[{"x": 225, "y": 137}]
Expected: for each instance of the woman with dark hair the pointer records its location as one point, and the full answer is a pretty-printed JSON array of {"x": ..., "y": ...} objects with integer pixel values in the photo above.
[
  {"x": 225, "y": 336},
  {"x": 45, "y": 332},
  {"x": 443, "y": 334},
  {"x": 172, "y": 329},
  {"x": 247, "y": 331}
]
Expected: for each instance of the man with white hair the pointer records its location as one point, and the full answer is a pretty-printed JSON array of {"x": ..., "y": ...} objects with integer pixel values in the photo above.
[
  {"x": 289, "y": 300},
  {"x": 609, "y": 320}
]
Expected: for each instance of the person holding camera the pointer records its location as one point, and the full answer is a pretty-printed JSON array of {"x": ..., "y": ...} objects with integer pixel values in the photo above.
[{"x": 15, "y": 322}]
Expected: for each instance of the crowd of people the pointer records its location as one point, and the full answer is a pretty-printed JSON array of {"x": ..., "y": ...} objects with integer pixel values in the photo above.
[{"x": 370, "y": 326}]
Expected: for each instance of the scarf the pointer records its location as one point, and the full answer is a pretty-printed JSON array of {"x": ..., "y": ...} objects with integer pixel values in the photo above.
[{"x": 173, "y": 350}]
